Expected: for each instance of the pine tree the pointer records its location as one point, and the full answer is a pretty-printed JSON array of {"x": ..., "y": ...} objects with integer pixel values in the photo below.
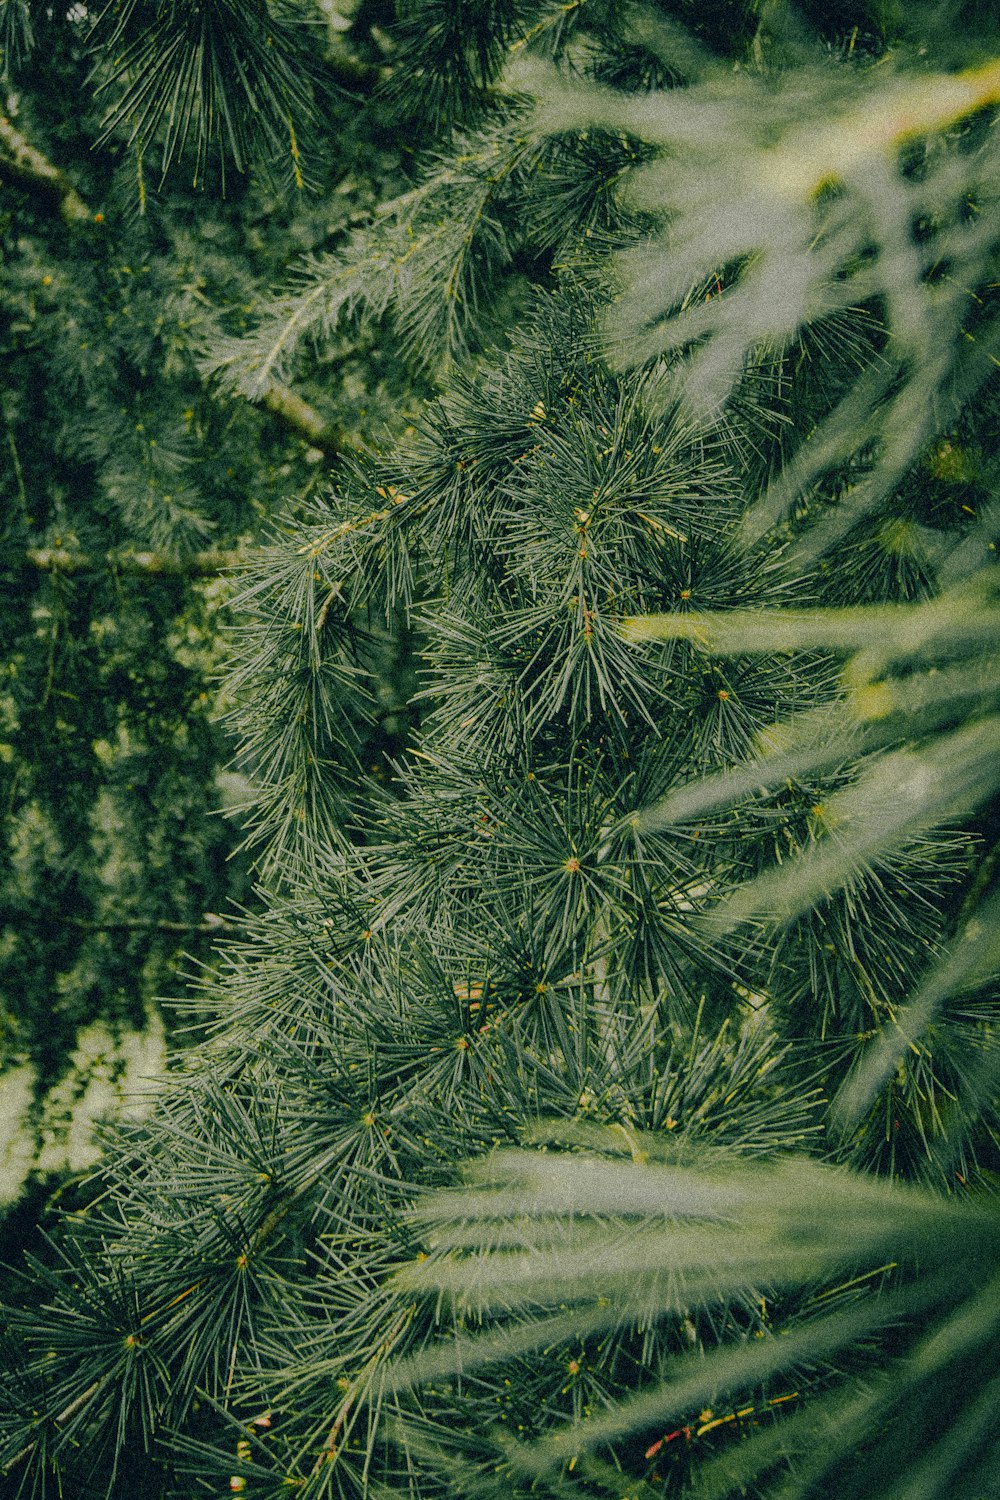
[
  {"x": 127, "y": 489},
  {"x": 660, "y": 885}
]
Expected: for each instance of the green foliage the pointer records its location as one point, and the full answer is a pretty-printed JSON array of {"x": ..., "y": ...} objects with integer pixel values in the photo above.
[
  {"x": 127, "y": 490},
  {"x": 198, "y": 75},
  {"x": 439, "y": 259},
  {"x": 659, "y": 884}
]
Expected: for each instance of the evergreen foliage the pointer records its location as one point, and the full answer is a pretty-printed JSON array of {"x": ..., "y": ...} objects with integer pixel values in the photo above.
[
  {"x": 663, "y": 898},
  {"x": 127, "y": 490}
]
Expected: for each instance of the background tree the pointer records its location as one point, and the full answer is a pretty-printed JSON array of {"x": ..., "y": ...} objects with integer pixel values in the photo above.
[
  {"x": 598, "y": 535},
  {"x": 127, "y": 491}
]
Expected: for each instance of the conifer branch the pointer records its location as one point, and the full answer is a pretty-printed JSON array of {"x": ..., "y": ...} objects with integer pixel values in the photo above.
[
  {"x": 195, "y": 565},
  {"x": 25, "y": 164},
  {"x": 423, "y": 262},
  {"x": 554, "y": 579},
  {"x": 210, "y": 923},
  {"x": 337, "y": 1436},
  {"x": 304, "y": 419}
]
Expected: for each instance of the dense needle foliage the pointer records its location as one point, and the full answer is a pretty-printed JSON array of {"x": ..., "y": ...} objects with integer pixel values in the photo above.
[
  {"x": 126, "y": 491},
  {"x": 675, "y": 916}
]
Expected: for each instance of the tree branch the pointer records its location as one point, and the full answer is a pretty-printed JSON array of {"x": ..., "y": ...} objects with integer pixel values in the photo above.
[
  {"x": 210, "y": 923},
  {"x": 194, "y": 565},
  {"x": 66, "y": 1415},
  {"x": 305, "y": 419},
  {"x": 26, "y": 165}
]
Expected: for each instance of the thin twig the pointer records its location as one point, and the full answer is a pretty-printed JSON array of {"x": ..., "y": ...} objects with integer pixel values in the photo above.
[
  {"x": 66, "y": 1415},
  {"x": 210, "y": 923}
]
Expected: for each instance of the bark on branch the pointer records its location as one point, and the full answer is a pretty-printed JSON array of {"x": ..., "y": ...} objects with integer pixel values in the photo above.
[
  {"x": 209, "y": 924},
  {"x": 21, "y": 162},
  {"x": 195, "y": 565},
  {"x": 305, "y": 420}
]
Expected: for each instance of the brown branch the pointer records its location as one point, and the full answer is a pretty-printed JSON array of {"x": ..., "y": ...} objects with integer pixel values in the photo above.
[
  {"x": 210, "y": 923},
  {"x": 358, "y": 1385},
  {"x": 195, "y": 565},
  {"x": 305, "y": 420},
  {"x": 25, "y": 164}
]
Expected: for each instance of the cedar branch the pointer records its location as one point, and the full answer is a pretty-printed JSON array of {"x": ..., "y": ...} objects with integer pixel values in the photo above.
[
  {"x": 25, "y": 164},
  {"x": 305, "y": 419},
  {"x": 195, "y": 565}
]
